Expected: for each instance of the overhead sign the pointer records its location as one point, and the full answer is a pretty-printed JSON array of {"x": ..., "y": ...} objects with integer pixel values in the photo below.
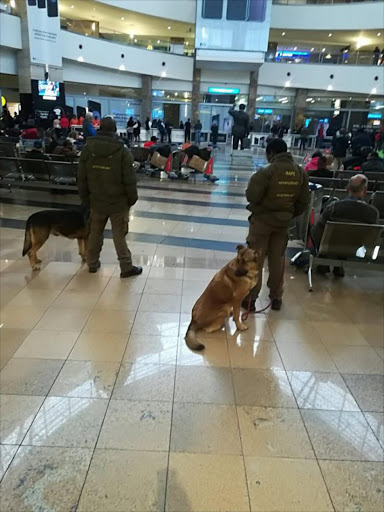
[
  {"x": 223, "y": 90},
  {"x": 265, "y": 111},
  {"x": 371, "y": 115},
  {"x": 44, "y": 32}
]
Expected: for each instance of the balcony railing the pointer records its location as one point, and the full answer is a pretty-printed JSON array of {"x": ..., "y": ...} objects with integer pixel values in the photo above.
[
  {"x": 336, "y": 57},
  {"x": 319, "y": 2},
  {"x": 86, "y": 29}
]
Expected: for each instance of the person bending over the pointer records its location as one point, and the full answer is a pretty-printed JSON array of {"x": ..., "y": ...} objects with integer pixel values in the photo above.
[{"x": 107, "y": 183}]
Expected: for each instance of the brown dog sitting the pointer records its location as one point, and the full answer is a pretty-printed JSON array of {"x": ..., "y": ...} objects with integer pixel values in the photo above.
[{"x": 223, "y": 295}]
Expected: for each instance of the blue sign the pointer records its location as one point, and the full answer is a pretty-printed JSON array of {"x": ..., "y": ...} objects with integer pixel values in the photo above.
[
  {"x": 285, "y": 54},
  {"x": 157, "y": 113},
  {"x": 265, "y": 111},
  {"x": 371, "y": 115},
  {"x": 223, "y": 90}
]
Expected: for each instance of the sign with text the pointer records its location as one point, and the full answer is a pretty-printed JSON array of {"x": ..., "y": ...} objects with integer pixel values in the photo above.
[{"x": 44, "y": 32}]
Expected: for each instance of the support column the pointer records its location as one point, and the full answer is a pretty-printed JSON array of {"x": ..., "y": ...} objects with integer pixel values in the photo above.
[
  {"x": 146, "y": 97},
  {"x": 298, "y": 117},
  {"x": 252, "y": 95},
  {"x": 195, "y": 94}
]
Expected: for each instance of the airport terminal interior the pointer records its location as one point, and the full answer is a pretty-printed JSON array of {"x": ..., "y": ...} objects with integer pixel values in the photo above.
[{"x": 103, "y": 405}]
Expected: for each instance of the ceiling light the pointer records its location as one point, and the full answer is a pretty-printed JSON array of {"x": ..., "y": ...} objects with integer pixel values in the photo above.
[
  {"x": 175, "y": 93},
  {"x": 158, "y": 41},
  {"x": 131, "y": 36},
  {"x": 283, "y": 99},
  {"x": 283, "y": 33},
  {"x": 313, "y": 101},
  {"x": 329, "y": 56},
  {"x": 122, "y": 18},
  {"x": 323, "y": 50},
  {"x": 187, "y": 43},
  {"x": 86, "y": 34},
  {"x": 85, "y": 93},
  {"x": 295, "y": 48},
  {"x": 378, "y": 34},
  {"x": 287, "y": 83},
  {"x": 149, "y": 47},
  {"x": 122, "y": 67},
  {"x": 93, "y": 26},
  {"x": 168, "y": 96},
  {"x": 72, "y": 6},
  {"x": 163, "y": 74},
  {"x": 329, "y": 88},
  {"x": 169, "y": 27},
  {"x": 374, "y": 90},
  {"x": 12, "y": 3},
  {"x": 185, "y": 95},
  {"x": 259, "y": 98},
  {"x": 350, "y": 97},
  {"x": 361, "y": 41},
  {"x": 135, "y": 41},
  {"x": 309, "y": 99},
  {"x": 80, "y": 59},
  {"x": 330, "y": 34},
  {"x": 312, "y": 49}
]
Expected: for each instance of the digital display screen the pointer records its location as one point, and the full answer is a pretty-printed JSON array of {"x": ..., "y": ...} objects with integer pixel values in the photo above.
[
  {"x": 265, "y": 111},
  {"x": 223, "y": 90},
  {"x": 48, "y": 90},
  {"x": 374, "y": 116}
]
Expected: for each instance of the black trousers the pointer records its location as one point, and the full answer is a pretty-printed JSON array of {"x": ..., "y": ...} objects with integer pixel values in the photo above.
[
  {"x": 236, "y": 142},
  {"x": 187, "y": 137}
]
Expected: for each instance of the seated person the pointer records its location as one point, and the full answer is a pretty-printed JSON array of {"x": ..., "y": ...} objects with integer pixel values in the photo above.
[
  {"x": 151, "y": 142},
  {"x": 312, "y": 165},
  {"x": 65, "y": 150},
  {"x": 321, "y": 171},
  {"x": 29, "y": 132},
  {"x": 351, "y": 209},
  {"x": 373, "y": 164},
  {"x": 36, "y": 153}
]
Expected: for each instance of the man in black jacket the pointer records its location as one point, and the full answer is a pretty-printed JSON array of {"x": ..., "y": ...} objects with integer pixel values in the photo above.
[
  {"x": 240, "y": 128},
  {"x": 340, "y": 145},
  {"x": 373, "y": 163},
  {"x": 107, "y": 184},
  {"x": 351, "y": 209}
]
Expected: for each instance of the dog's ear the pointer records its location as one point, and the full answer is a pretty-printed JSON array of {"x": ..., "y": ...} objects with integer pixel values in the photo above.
[{"x": 239, "y": 247}]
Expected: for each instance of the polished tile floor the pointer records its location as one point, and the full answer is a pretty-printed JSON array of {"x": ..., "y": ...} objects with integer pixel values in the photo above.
[{"x": 104, "y": 409}]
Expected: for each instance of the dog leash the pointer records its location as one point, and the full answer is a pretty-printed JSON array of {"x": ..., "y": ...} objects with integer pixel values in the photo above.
[{"x": 245, "y": 315}]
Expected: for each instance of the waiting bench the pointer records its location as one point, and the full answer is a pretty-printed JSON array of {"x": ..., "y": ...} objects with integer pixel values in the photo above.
[{"x": 343, "y": 242}]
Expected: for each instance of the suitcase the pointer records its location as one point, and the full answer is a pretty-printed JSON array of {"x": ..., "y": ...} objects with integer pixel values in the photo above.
[{"x": 247, "y": 143}]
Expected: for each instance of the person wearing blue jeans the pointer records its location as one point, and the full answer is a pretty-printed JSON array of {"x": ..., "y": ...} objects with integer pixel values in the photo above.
[{"x": 198, "y": 127}]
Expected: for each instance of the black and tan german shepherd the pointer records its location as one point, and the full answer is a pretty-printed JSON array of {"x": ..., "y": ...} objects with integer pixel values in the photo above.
[{"x": 68, "y": 223}]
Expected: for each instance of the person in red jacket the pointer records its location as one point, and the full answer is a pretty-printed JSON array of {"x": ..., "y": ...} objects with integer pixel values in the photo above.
[
  {"x": 74, "y": 121},
  {"x": 30, "y": 132},
  {"x": 64, "y": 122}
]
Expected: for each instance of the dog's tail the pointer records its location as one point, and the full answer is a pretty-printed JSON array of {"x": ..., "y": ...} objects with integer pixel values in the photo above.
[
  {"x": 27, "y": 238},
  {"x": 190, "y": 337}
]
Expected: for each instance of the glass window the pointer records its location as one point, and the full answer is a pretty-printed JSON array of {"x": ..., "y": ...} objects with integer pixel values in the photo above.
[
  {"x": 212, "y": 9},
  {"x": 237, "y": 10},
  {"x": 257, "y": 10}
]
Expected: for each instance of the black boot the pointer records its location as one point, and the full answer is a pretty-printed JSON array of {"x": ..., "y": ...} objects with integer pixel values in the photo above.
[
  {"x": 135, "y": 271},
  {"x": 93, "y": 270},
  {"x": 276, "y": 304},
  {"x": 249, "y": 305}
]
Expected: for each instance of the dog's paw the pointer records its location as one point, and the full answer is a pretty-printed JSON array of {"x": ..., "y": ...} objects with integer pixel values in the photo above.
[{"x": 242, "y": 327}]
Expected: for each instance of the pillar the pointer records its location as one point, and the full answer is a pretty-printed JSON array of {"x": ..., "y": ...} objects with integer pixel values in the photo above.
[
  {"x": 252, "y": 94},
  {"x": 195, "y": 93},
  {"x": 146, "y": 97},
  {"x": 298, "y": 117}
]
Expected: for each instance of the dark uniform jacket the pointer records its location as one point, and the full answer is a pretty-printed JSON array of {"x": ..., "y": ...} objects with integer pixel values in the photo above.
[
  {"x": 240, "y": 123},
  {"x": 348, "y": 210},
  {"x": 106, "y": 179},
  {"x": 278, "y": 192},
  {"x": 373, "y": 165}
]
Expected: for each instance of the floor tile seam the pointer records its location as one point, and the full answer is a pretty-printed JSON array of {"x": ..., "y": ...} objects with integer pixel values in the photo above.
[
  {"x": 238, "y": 428},
  {"x": 360, "y": 409},
  {"x": 172, "y": 414},
  {"x": 34, "y": 418},
  {"x": 327, "y": 348},
  {"x": 308, "y": 435}
]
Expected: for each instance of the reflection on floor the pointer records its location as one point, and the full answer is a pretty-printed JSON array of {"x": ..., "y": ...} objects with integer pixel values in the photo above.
[{"x": 104, "y": 409}]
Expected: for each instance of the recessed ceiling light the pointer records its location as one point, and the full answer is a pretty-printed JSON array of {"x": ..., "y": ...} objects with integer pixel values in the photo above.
[
  {"x": 122, "y": 67},
  {"x": 169, "y": 27},
  {"x": 72, "y": 6},
  {"x": 374, "y": 91},
  {"x": 295, "y": 48},
  {"x": 323, "y": 50},
  {"x": 80, "y": 59},
  {"x": 122, "y": 18},
  {"x": 175, "y": 93},
  {"x": 158, "y": 41},
  {"x": 287, "y": 83},
  {"x": 378, "y": 34},
  {"x": 329, "y": 88},
  {"x": 135, "y": 40},
  {"x": 312, "y": 49},
  {"x": 313, "y": 101},
  {"x": 350, "y": 97},
  {"x": 283, "y": 33},
  {"x": 187, "y": 43},
  {"x": 131, "y": 36},
  {"x": 164, "y": 74},
  {"x": 329, "y": 56},
  {"x": 330, "y": 34}
]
